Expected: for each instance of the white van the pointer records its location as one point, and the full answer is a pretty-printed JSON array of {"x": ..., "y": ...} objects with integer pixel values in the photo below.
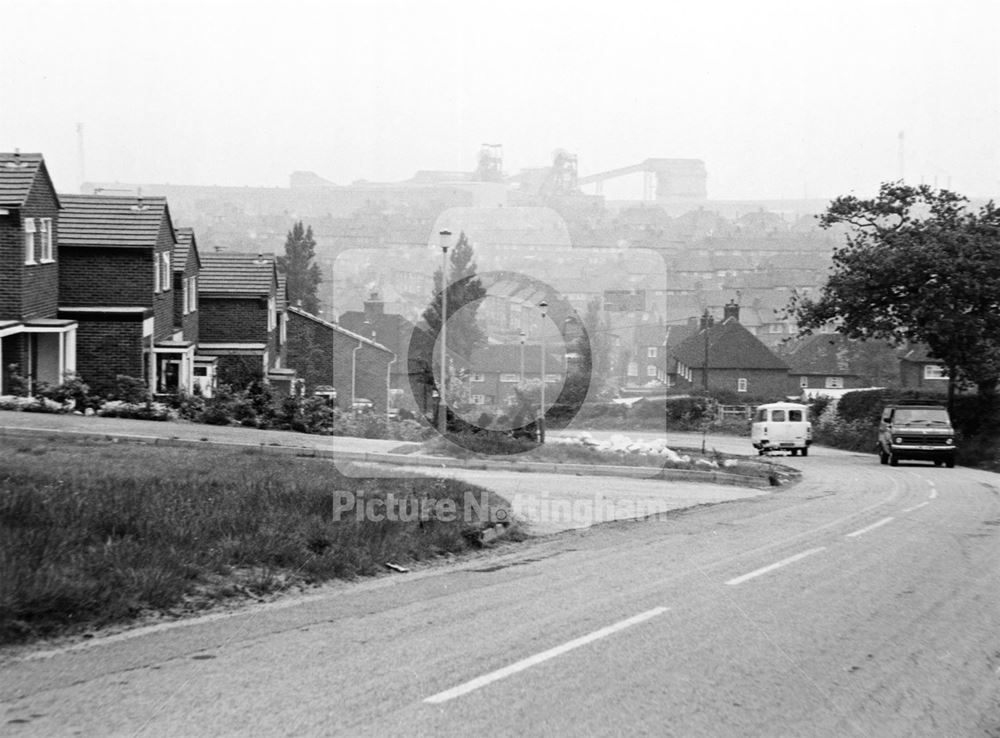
[{"x": 781, "y": 426}]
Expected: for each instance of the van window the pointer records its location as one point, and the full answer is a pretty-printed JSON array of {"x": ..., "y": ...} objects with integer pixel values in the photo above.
[
  {"x": 778, "y": 416},
  {"x": 795, "y": 416},
  {"x": 761, "y": 416}
]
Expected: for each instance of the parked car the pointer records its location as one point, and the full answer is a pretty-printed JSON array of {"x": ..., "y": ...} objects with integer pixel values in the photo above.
[
  {"x": 916, "y": 431},
  {"x": 781, "y": 426},
  {"x": 362, "y": 404}
]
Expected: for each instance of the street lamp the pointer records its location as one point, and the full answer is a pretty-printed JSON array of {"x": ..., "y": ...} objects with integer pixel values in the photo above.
[
  {"x": 445, "y": 240},
  {"x": 523, "y": 334},
  {"x": 541, "y": 413}
]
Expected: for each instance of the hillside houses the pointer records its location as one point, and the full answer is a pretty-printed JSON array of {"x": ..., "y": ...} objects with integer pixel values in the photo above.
[{"x": 106, "y": 287}]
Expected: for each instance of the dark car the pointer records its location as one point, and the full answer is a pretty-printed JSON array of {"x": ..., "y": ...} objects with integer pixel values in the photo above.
[{"x": 916, "y": 431}]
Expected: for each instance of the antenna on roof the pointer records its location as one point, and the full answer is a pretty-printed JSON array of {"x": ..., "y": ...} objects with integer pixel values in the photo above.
[
  {"x": 17, "y": 163},
  {"x": 139, "y": 204}
]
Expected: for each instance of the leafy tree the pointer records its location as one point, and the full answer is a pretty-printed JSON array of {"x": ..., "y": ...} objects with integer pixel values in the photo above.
[
  {"x": 465, "y": 292},
  {"x": 918, "y": 266},
  {"x": 302, "y": 272}
]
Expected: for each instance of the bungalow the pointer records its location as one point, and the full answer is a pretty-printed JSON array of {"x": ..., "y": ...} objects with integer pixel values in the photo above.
[
  {"x": 116, "y": 281},
  {"x": 495, "y": 371},
  {"x": 325, "y": 354},
  {"x": 35, "y": 343},
  {"x": 823, "y": 362}
]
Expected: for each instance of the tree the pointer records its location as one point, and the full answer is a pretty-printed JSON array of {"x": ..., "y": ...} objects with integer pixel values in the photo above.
[
  {"x": 465, "y": 292},
  {"x": 918, "y": 266},
  {"x": 298, "y": 265}
]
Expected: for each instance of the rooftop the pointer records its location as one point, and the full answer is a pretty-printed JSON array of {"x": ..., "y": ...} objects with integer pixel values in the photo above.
[
  {"x": 17, "y": 175},
  {"x": 108, "y": 221},
  {"x": 237, "y": 274}
]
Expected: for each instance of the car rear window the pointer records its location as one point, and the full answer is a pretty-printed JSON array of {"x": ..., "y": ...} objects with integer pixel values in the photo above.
[{"x": 778, "y": 416}]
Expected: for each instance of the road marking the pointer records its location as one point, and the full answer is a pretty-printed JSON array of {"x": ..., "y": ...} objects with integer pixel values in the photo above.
[
  {"x": 867, "y": 528},
  {"x": 776, "y": 565},
  {"x": 916, "y": 507},
  {"x": 933, "y": 493},
  {"x": 493, "y": 676}
]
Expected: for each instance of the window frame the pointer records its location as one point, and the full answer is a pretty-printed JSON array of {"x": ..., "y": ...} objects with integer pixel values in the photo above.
[
  {"x": 45, "y": 242},
  {"x": 742, "y": 384},
  {"x": 30, "y": 252}
]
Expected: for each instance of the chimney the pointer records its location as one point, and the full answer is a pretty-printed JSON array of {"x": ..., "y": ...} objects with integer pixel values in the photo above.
[
  {"x": 707, "y": 321},
  {"x": 731, "y": 310},
  {"x": 374, "y": 306}
]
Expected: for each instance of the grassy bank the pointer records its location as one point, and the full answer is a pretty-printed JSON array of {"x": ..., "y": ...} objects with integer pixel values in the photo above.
[{"x": 95, "y": 533}]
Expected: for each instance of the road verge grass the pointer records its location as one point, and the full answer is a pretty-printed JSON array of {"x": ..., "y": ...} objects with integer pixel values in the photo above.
[{"x": 94, "y": 533}]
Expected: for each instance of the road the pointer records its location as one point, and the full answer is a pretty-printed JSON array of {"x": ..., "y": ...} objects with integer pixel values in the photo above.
[{"x": 864, "y": 601}]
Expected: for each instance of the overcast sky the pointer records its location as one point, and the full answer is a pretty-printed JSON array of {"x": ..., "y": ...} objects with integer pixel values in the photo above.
[{"x": 780, "y": 99}]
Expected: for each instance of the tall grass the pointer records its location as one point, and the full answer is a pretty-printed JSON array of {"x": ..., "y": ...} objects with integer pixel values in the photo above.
[{"x": 93, "y": 533}]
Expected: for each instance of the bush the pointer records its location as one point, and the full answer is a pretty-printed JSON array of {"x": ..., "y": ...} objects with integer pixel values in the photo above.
[
  {"x": 130, "y": 390},
  {"x": 135, "y": 411}
]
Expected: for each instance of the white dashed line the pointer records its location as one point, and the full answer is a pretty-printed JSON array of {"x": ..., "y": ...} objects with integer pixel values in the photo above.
[
  {"x": 776, "y": 565},
  {"x": 527, "y": 663},
  {"x": 916, "y": 507},
  {"x": 867, "y": 528}
]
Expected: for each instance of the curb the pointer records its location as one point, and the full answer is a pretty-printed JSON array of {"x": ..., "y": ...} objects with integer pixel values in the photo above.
[{"x": 438, "y": 462}]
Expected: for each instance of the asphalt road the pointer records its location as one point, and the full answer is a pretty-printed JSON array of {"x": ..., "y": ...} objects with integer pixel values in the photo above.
[{"x": 864, "y": 601}]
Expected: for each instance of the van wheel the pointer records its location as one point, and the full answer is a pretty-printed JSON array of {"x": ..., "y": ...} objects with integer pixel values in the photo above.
[
  {"x": 950, "y": 462},
  {"x": 938, "y": 462},
  {"x": 893, "y": 459},
  {"x": 883, "y": 457},
  {"x": 795, "y": 452},
  {"x": 805, "y": 452}
]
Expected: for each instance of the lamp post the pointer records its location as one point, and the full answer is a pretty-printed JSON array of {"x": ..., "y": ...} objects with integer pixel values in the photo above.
[
  {"x": 445, "y": 237},
  {"x": 522, "y": 356},
  {"x": 541, "y": 411},
  {"x": 707, "y": 320}
]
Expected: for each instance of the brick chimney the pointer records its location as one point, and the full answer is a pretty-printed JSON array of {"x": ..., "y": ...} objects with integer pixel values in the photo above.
[
  {"x": 374, "y": 307},
  {"x": 707, "y": 321},
  {"x": 731, "y": 310}
]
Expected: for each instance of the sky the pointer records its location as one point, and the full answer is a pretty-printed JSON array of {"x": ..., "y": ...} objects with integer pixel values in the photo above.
[{"x": 779, "y": 99}]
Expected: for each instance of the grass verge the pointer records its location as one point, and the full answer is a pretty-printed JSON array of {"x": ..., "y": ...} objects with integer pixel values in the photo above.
[{"x": 93, "y": 533}]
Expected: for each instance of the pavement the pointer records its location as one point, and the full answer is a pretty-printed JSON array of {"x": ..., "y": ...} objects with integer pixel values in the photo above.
[{"x": 547, "y": 497}]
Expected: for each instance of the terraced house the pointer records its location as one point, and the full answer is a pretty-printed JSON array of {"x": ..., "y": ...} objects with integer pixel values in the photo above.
[
  {"x": 36, "y": 343},
  {"x": 116, "y": 280}
]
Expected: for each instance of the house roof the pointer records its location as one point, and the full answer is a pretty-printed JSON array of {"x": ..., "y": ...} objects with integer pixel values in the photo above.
[
  {"x": 186, "y": 242},
  {"x": 18, "y": 173},
  {"x": 231, "y": 273},
  {"x": 109, "y": 221},
  {"x": 730, "y": 346},
  {"x": 823, "y": 353},
  {"x": 339, "y": 329}
]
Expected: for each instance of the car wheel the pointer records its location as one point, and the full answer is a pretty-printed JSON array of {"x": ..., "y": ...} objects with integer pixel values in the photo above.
[
  {"x": 893, "y": 459},
  {"x": 938, "y": 462},
  {"x": 805, "y": 452},
  {"x": 795, "y": 452},
  {"x": 950, "y": 462}
]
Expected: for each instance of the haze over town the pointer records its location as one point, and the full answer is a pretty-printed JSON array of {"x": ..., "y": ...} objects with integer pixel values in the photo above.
[{"x": 780, "y": 99}]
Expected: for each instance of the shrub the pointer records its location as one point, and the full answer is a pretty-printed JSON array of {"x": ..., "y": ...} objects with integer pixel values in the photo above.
[
  {"x": 130, "y": 390},
  {"x": 135, "y": 411}
]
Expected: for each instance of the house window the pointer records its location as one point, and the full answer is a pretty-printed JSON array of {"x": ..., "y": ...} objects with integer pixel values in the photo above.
[
  {"x": 633, "y": 369},
  {"x": 479, "y": 399},
  {"x": 45, "y": 226},
  {"x": 935, "y": 371},
  {"x": 29, "y": 241},
  {"x": 835, "y": 383},
  {"x": 775, "y": 328},
  {"x": 804, "y": 382},
  {"x": 271, "y": 315},
  {"x": 650, "y": 370},
  {"x": 165, "y": 271},
  {"x": 741, "y": 384},
  {"x": 185, "y": 289},
  {"x": 192, "y": 294},
  {"x": 156, "y": 273},
  {"x": 477, "y": 377},
  {"x": 283, "y": 328},
  {"x": 510, "y": 378},
  {"x": 651, "y": 352}
]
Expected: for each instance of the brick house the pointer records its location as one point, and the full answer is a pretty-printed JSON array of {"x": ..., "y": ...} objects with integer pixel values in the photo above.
[
  {"x": 187, "y": 267},
  {"x": 737, "y": 360},
  {"x": 116, "y": 280},
  {"x": 648, "y": 360},
  {"x": 495, "y": 371},
  {"x": 34, "y": 341},
  {"x": 388, "y": 329},
  {"x": 240, "y": 319},
  {"x": 918, "y": 370},
  {"x": 823, "y": 361},
  {"x": 325, "y": 354}
]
